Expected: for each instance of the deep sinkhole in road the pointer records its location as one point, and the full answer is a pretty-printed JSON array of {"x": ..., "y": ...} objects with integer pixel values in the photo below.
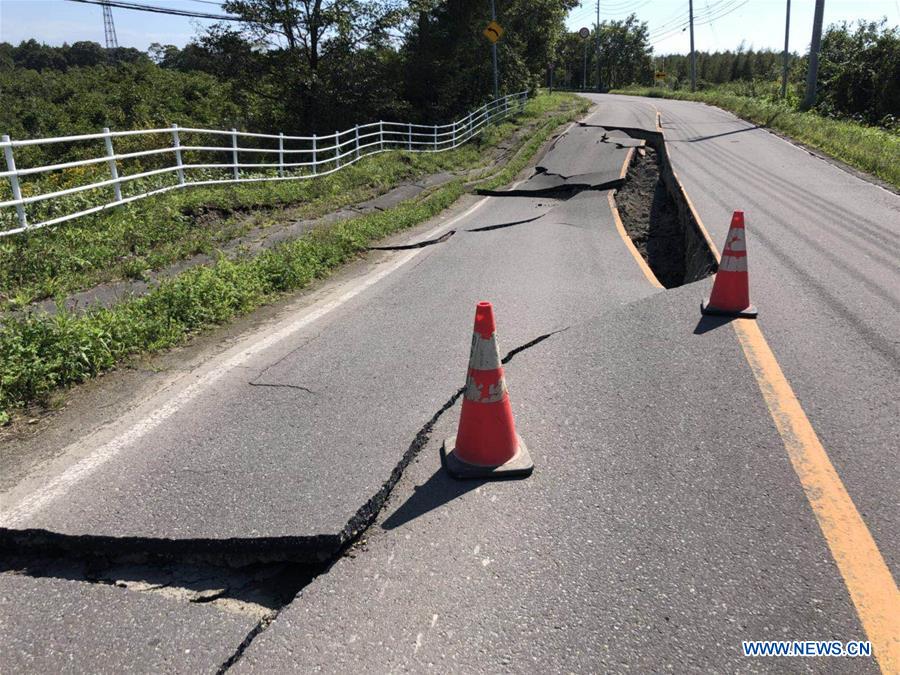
[
  {"x": 658, "y": 218},
  {"x": 650, "y": 217}
]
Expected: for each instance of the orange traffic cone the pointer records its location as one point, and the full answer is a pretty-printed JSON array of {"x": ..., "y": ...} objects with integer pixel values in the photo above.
[
  {"x": 731, "y": 290},
  {"x": 486, "y": 444}
]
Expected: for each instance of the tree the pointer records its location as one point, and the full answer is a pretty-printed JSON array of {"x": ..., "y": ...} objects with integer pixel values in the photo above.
[
  {"x": 625, "y": 53},
  {"x": 297, "y": 38},
  {"x": 85, "y": 54},
  {"x": 859, "y": 72},
  {"x": 448, "y": 60}
]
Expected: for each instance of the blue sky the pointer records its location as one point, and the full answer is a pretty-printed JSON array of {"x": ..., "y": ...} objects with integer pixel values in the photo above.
[{"x": 758, "y": 23}]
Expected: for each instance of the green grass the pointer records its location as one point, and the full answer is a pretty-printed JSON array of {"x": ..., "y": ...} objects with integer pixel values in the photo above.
[
  {"x": 870, "y": 149},
  {"x": 131, "y": 240},
  {"x": 42, "y": 352}
]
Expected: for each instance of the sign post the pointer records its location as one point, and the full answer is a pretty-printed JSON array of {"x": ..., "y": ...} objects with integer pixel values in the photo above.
[
  {"x": 584, "y": 33},
  {"x": 494, "y": 32}
]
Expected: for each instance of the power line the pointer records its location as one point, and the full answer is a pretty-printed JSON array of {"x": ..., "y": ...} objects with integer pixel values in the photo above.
[
  {"x": 609, "y": 10},
  {"x": 121, "y": 4},
  {"x": 680, "y": 22},
  {"x": 707, "y": 20}
]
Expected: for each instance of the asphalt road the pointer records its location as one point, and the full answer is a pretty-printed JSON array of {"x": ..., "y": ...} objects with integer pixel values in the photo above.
[
  {"x": 291, "y": 443},
  {"x": 824, "y": 251},
  {"x": 662, "y": 526},
  {"x": 664, "y": 522}
]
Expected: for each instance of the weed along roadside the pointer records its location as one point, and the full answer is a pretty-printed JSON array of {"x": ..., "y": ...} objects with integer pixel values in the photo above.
[
  {"x": 869, "y": 149},
  {"x": 139, "y": 237},
  {"x": 41, "y": 352}
]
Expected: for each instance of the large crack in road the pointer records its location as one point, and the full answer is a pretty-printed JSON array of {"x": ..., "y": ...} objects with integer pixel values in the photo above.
[{"x": 242, "y": 580}]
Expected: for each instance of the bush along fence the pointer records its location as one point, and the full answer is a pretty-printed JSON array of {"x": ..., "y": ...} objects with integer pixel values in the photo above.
[{"x": 160, "y": 160}]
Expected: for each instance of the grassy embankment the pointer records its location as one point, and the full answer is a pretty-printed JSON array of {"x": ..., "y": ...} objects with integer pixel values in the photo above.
[
  {"x": 870, "y": 149},
  {"x": 41, "y": 353}
]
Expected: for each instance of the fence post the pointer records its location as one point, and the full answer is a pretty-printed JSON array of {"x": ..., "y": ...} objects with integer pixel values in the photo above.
[
  {"x": 14, "y": 180},
  {"x": 409, "y": 140},
  {"x": 314, "y": 161},
  {"x": 281, "y": 154},
  {"x": 380, "y": 135},
  {"x": 337, "y": 148},
  {"x": 176, "y": 142},
  {"x": 113, "y": 170},
  {"x": 435, "y": 138},
  {"x": 234, "y": 154},
  {"x": 356, "y": 133}
]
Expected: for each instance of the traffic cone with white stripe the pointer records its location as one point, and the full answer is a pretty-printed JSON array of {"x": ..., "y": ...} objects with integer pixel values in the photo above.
[
  {"x": 486, "y": 444},
  {"x": 731, "y": 290}
]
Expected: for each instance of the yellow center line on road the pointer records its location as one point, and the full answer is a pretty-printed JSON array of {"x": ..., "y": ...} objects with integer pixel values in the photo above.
[
  {"x": 867, "y": 577},
  {"x": 629, "y": 244},
  {"x": 871, "y": 586},
  {"x": 624, "y": 170}
]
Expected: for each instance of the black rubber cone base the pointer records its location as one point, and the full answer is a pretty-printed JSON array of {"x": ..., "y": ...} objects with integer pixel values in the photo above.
[
  {"x": 746, "y": 313},
  {"x": 519, "y": 466}
]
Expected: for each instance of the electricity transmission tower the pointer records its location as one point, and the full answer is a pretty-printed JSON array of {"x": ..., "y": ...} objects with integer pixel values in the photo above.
[{"x": 109, "y": 28}]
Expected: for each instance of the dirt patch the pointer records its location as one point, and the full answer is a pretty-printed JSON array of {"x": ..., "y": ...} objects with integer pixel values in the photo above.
[
  {"x": 658, "y": 217},
  {"x": 650, "y": 217}
]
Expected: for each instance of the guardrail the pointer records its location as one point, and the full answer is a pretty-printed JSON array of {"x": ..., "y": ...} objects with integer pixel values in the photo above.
[{"x": 293, "y": 158}]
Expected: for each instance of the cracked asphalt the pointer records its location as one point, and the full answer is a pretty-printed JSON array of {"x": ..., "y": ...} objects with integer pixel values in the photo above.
[{"x": 664, "y": 522}]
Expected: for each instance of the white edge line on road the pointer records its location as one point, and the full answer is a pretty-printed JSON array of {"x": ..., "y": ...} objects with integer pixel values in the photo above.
[{"x": 248, "y": 348}]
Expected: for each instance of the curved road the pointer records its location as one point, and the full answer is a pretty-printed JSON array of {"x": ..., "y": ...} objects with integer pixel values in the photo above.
[{"x": 664, "y": 523}]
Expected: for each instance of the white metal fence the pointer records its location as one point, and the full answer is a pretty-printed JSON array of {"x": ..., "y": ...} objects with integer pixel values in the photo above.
[{"x": 288, "y": 158}]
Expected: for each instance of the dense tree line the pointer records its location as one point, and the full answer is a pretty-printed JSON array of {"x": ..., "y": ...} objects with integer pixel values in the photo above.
[
  {"x": 298, "y": 66},
  {"x": 625, "y": 56},
  {"x": 859, "y": 67},
  {"x": 304, "y": 66}
]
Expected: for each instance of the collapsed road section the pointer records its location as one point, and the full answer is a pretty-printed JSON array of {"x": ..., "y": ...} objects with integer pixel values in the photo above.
[
  {"x": 283, "y": 447},
  {"x": 658, "y": 216}
]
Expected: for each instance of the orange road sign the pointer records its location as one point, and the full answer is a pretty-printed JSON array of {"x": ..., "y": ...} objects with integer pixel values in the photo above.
[{"x": 493, "y": 32}]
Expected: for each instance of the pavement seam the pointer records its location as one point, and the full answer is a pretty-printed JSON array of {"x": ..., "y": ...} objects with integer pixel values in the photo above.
[{"x": 862, "y": 567}]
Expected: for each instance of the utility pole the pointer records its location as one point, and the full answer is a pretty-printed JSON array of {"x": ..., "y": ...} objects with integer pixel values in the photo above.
[
  {"x": 599, "y": 76},
  {"x": 813, "y": 72},
  {"x": 787, "y": 32},
  {"x": 494, "y": 50},
  {"x": 693, "y": 55}
]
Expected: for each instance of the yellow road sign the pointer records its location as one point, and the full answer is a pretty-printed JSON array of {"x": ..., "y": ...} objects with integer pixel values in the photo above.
[
  {"x": 493, "y": 32},
  {"x": 660, "y": 75}
]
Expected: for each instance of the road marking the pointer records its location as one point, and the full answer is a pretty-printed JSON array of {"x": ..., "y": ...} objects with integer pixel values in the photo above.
[
  {"x": 246, "y": 349},
  {"x": 639, "y": 259},
  {"x": 626, "y": 163},
  {"x": 871, "y": 586},
  {"x": 866, "y": 575}
]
